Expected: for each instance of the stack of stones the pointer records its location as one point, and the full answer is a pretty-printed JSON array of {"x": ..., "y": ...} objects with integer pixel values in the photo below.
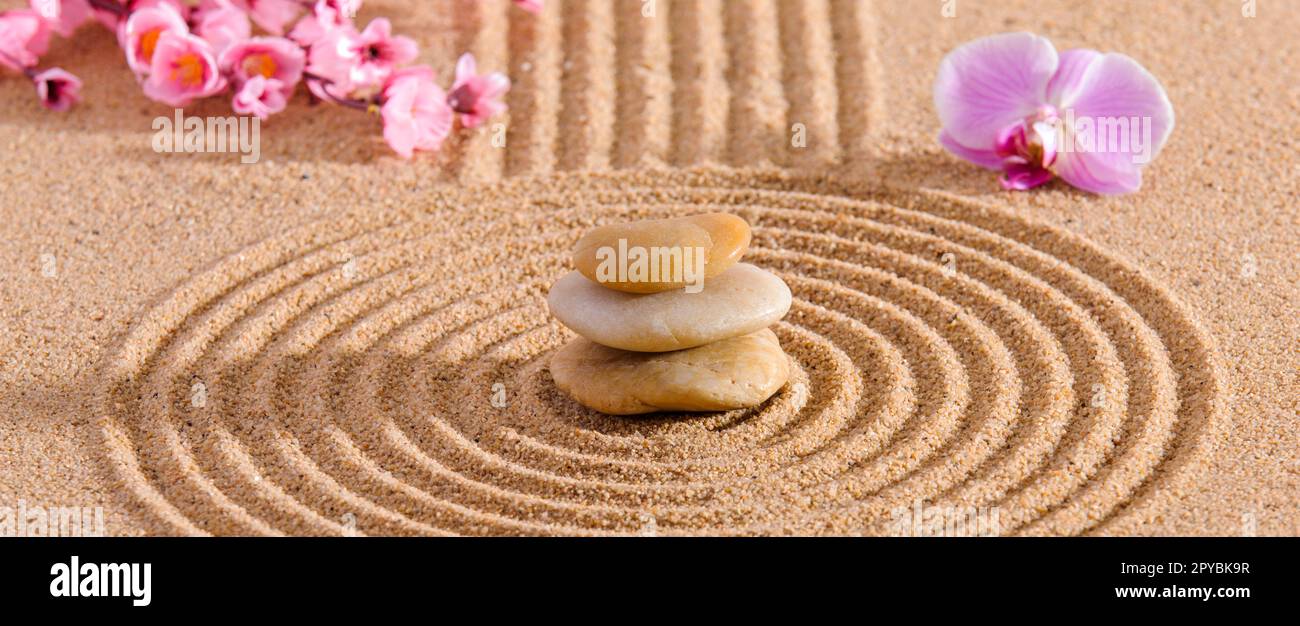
[{"x": 669, "y": 320}]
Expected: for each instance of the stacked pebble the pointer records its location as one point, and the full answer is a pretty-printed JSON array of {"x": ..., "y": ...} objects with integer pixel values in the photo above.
[{"x": 650, "y": 346}]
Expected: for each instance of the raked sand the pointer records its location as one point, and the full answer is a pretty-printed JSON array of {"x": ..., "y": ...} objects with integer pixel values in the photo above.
[{"x": 334, "y": 340}]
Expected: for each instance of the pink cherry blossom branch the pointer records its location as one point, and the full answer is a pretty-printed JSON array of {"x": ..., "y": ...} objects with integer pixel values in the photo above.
[
  {"x": 362, "y": 105},
  {"x": 182, "y": 52}
]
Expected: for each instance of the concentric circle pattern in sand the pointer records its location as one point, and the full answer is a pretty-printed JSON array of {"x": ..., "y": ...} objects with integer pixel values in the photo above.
[{"x": 385, "y": 373}]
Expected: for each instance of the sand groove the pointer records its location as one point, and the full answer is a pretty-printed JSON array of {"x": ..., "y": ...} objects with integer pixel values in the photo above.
[
  {"x": 699, "y": 73},
  {"x": 645, "y": 86},
  {"x": 809, "y": 55},
  {"x": 943, "y": 350},
  {"x": 588, "y": 88},
  {"x": 758, "y": 107},
  {"x": 603, "y": 85},
  {"x": 534, "y": 99}
]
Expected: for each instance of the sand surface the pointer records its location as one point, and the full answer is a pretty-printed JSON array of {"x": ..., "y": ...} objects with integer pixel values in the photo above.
[{"x": 334, "y": 340}]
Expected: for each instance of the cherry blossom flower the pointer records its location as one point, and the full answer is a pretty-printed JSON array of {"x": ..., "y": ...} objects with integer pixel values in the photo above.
[
  {"x": 24, "y": 37},
  {"x": 271, "y": 15},
  {"x": 112, "y": 18},
  {"x": 63, "y": 16},
  {"x": 221, "y": 24},
  {"x": 57, "y": 89},
  {"x": 326, "y": 16},
  {"x": 476, "y": 97},
  {"x": 183, "y": 68},
  {"x": 1010, "y": 102},
  {"x": 140, "y": 34},
  {"x": 260, "y": 96},
  {"x": 415, "y": 112},
  {"x": 273, "y": 58},
  {"x": 350, "y": 61}
]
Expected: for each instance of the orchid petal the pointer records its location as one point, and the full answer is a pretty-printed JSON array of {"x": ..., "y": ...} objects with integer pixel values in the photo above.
[
  {"x": 1084, "y": 171},
  {"x": 990, "y": 83},
  {"x": 1064, "y": 86},
  {"x": 983, "y": 158},
  {"x": 1117, "y": 87},
  {"x": 1119, "y": 120},
  {"x": 1022, "y": 177}
]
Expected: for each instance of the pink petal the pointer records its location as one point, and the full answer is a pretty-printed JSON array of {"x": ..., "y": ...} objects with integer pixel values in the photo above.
[
  {"x": 405, "y": 50},
  {"x": 1119, "y": 120},
  {"x": 378, "y": 29},
  {"x": 64, "y": 16},
  {"x": 24, "y": 37},
  {"x": 466, "y": 68},
  {"x": 1084, "y": 171},
  {"x": 1022, "y": 177},
  {"x": 401, "y": 134},
  {"x": 990, "y": 83},
  {"x": 66, "y": 89},
  {"x": 271, "y": 15},
  {"x": 401, "y": 140},
  {"x": 497, "y": 85},
  {"x": 1116, "y": 86},
  {"x": 1064, "y": 86},
  {"x": 532, "y": 6},
  {"x": 982, "y": 158}
]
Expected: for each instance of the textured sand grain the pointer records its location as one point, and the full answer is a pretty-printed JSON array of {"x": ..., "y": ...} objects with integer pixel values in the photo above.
[{"x": 349, "y": 314}]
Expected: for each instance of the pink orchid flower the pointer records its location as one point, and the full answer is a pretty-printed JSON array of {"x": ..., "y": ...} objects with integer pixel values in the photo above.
[
  {"x": 57, "y": 89},
  {"x": 271, "y": 15},
  {"x": 476, "y": 97},
  {"x": 415, "y": 112},
  {"x": 1010, "y": 102},
  {"x": 260, "y": 96},
  {"x": 350, "y": 61},
  {"x": 24, "y": 37},
  {"x": 221, "y": 24},
  {"x": 183, "y": 69},
  {"x": 140, "y": 34},
  {"x": 532, "y": 6},
  {"x": 326, "y": 16},
  {"x": 64, "y": 16},
  {"x": 275, "y": 59}
]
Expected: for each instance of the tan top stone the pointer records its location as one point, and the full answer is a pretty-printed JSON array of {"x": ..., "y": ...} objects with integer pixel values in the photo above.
[
  {"x": 660, "y": 255},
  {"x": 735, "y": 373},
  {"x": 741, "y": 300}
]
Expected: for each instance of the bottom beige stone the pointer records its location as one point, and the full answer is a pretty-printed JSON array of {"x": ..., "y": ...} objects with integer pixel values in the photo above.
[{"x": 734, "y": 373}]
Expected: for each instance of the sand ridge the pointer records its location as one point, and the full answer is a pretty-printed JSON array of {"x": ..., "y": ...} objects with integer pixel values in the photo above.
[{"x": 349, "y": 371}]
